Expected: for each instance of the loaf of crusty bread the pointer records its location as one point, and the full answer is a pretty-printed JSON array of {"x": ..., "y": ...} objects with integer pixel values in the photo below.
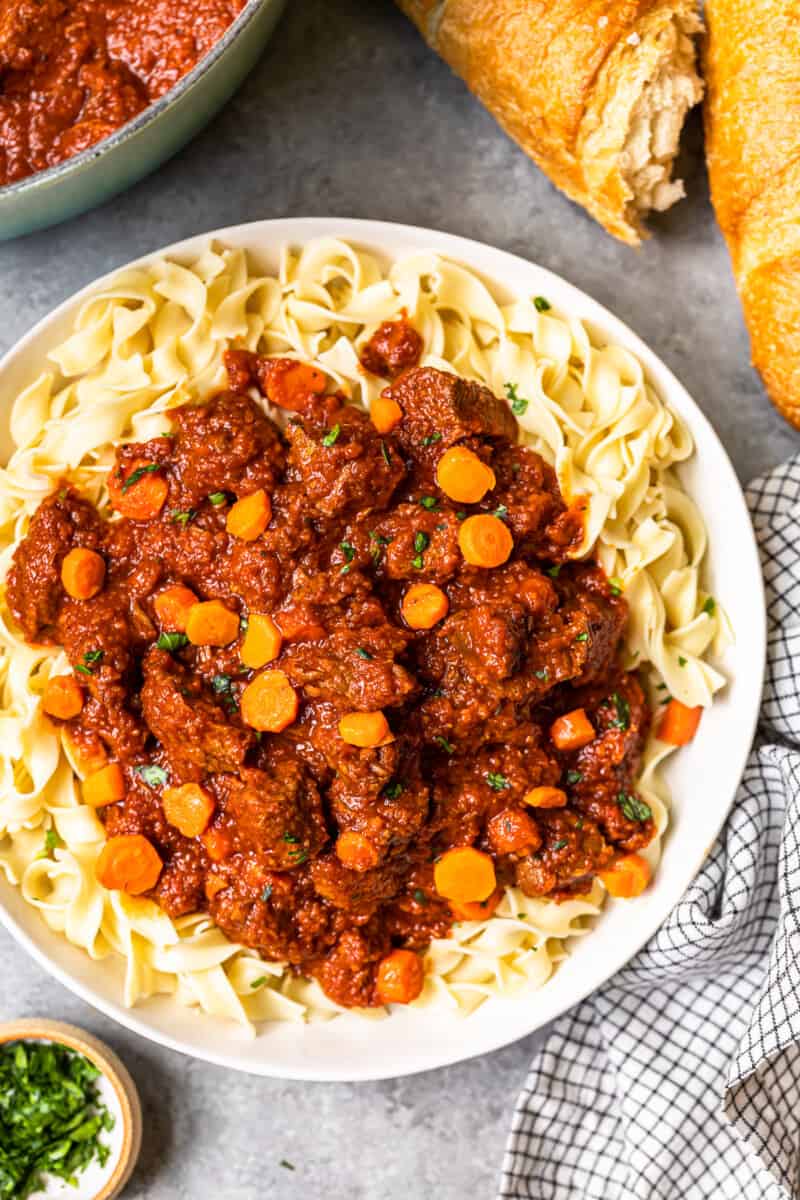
[
  {"x": 595, "y": 91},
  {"x": 753, "y": 147}
]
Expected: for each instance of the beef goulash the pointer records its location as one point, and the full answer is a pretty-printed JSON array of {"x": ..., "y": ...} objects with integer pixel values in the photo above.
[
  {"x": 73, "y": 71},
  {"x": 338, "y": 683},
  {"x": 596, "y": 94}
]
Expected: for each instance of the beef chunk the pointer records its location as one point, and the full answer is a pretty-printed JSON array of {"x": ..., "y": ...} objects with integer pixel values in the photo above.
[
  {"x": 440, "y": 409},
  {"x": 194, "y": 731},
  {"x": 413, "y": 543},
  {"x": 348, "y": 973},
  {"x": 35, "y": 593},
  {"x": 227, "y": 445},
  {"x": 343, "y": 667},
  {"x": 527, "y": 487},
  {"x": 345, "y": 466},
  {"x": 573, "y": 849},
  {"x": 393, "y": 347},
  {"x": 276, "y": 812}
]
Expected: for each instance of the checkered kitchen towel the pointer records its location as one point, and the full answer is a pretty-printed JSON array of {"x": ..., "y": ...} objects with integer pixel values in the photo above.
[{"x": 680, "y": 1079}]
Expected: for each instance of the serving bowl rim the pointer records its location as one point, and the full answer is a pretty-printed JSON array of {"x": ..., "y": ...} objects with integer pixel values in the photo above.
[{"x": 441, "y": 1039}]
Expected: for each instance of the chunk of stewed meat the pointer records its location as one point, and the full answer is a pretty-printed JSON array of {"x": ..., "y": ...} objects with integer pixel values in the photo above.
[
  {"x": 226, "y": 445},
  {"x": 348, "y": 973},
  {"x": 342, "y": 667},
  {"x": 195, "y": 732},
  {"x": 573, "y": 848},
  {"x": 34, "y": 589},
  {"x": 276, "y": 812},
  {"x": 343, "y": 467},
  {"x": 528, "y": 489},
  {"x": 440, "y": 409},
  {"x": 394, "y": 347},
  {"x": 414, "y": 543}
]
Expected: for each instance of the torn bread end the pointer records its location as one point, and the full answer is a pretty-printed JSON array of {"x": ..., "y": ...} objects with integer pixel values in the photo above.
[{"x": 656, "y": 121}]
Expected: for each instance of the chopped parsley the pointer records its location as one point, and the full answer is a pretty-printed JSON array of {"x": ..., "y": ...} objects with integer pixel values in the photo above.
[
  {"x": 362, "y": 653},
  {"x": 331, "y": 436},
  {"x": 349, "y": 552},
  {"x": 393, "y": 789},
  {"x": 221, "y": 685},
  {"x": 555, "y": 571},
  {"x": 633, "y": 808},
  {"x": 543, "y": 675},
  {"x": 448, "y": 747},
  {"x": 574, "y": 777},
  {"x": 244, "y": 624},
  {"x": 218, "y": 499},
  {"x": 91, "y": 659},
  {"x": 379, "y": 541},
  {"x": 431, "y": 438},
  {"x": 172, "y": 641},
  {"x": 541, "y": 305},
  {"x": 183, "y": 518},
  {"x": 285, "y": 1163},
  {"x": 518, "y": 403},
  {"x": 290, "y": 838},
  {"x": 267, "y": 892},
  {"x": 560, "y": 844},
  {"x": 429, "y": 502},
  {"x": 387, "y": 458},
  {"x": 420, "y": 896},
  {"x": 153, "y": 775},
  {"x": 501, "y": 511},
  {"x": 496, "y": 781},
  {"x": 582, "y": 637},
  {"x": 257, "y": 983},
  {"x": 51, "y": 1116},
  {"x": 51, "y": 842},
  {"x": 682, "y": 661},
  {"x": 623, "y": 717},
  {"x": 709, "y": 606},
  {"x": 299, "y": 857},
  {"x": 615, "y": 585},
  {"x": 421, "y": 543},
  {"x": 138, "y": 474}
]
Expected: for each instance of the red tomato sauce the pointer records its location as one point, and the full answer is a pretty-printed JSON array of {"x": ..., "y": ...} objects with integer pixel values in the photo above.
[{"x": 73, "y": 71}]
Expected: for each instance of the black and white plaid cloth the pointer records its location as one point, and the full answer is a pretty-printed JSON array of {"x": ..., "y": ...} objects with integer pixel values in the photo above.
[{"x": 680, "y": 1079}]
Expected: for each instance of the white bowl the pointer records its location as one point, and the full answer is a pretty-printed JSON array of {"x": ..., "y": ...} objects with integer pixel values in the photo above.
[{"x": 703, "y": 776}]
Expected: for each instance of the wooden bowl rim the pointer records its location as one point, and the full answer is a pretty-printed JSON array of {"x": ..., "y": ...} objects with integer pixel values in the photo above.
[{"x": 111, "y": 1066}]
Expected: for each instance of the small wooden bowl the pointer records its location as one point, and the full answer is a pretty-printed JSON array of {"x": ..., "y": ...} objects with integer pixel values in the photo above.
[{"x": 114, "y": 1071}]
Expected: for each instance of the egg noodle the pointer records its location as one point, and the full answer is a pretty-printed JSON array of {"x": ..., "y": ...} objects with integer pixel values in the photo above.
[{"x": 152, "y": 339}]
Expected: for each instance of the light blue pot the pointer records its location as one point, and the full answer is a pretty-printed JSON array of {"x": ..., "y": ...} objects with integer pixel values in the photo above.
[{"x": 138, "y": 147}]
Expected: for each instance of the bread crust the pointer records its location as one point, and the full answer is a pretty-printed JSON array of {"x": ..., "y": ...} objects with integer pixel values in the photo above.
[
  {"x": 563, "y": 78},
  {"x": 752, "y": 118}
]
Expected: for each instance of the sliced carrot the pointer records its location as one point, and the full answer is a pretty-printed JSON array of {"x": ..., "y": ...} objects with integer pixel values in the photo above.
[
  {"x": 512, "y": 831},
  {"x": 545, "y": 797},
  {"x": 485, "y": 541},
  {"x": 128, "y": 863},
  {"x": 288, "y": 384},
  {"x": 141, "y": 493},
  {"x": 355, "y": 851},
  {"x": 476, "y": 910},
  {"x": 262, "y": 641},
  {"x": 83, "y": 573},
  {"x": 464, "y": 874},
  {"x": 572, "y": 731},
  {"x": 679, "y": 723},
  {"x": 386, "y": 414},
  {"x": 424, "y": 605},
  {"x": 463, "y": 476},
  {"x": 62, "y": 697},
  {"x": 210, "y": 623},
  {"x": 627, "y": 877},
  {"x": 401, "y": 975},
  {"x": 189, "y": 808},
  {"x": 365, "y": 729},
  {"x": 269, "y": 703},
  {"x": 250, "y": 516},
  {"x": 106, "y": 786},
  {"x": 173, "y": 606},
  {"x": 217, "y": 844}
]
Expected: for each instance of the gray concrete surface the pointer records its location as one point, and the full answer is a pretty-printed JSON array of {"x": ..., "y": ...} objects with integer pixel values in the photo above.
[{"x": 349, "y": 114}]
